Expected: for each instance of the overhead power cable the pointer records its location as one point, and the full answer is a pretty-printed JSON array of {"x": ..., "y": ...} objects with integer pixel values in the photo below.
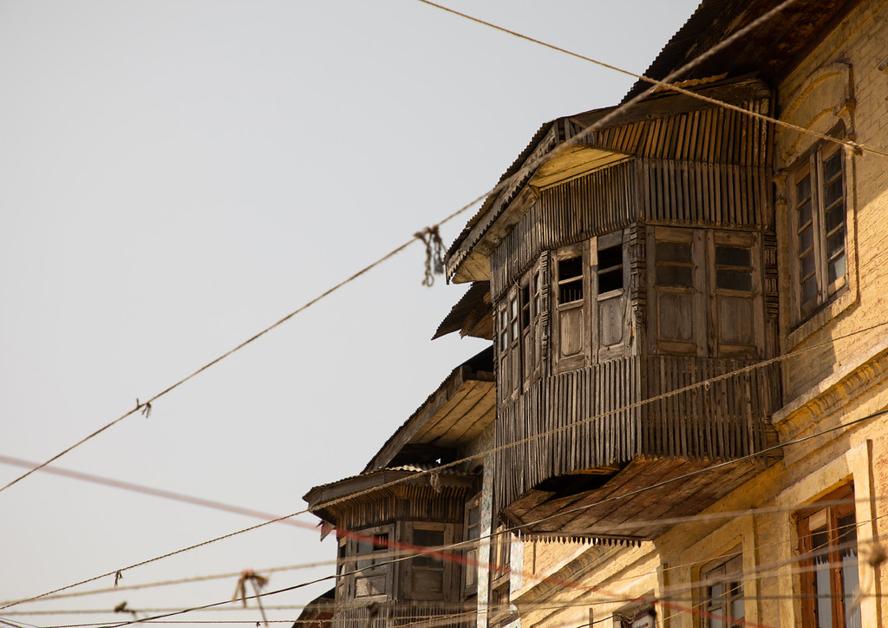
[
  {"x": 663, "y": 598},
  {"x": 664, "y": 84},
  {"x": 444, "y": 552},
  {"x": 428, "y": 236},
  {"x": 482, "y": 454},
  {"x": 742, "y": 32}
]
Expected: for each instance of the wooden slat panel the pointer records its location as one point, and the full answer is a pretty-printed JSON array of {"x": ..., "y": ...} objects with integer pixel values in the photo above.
[{"x": 726, "y": 420}]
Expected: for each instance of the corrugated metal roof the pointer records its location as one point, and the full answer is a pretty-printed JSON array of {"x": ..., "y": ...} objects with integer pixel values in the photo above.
[
  {"x": 769, "y": 50},
  {"x": 472, "y": 303}
]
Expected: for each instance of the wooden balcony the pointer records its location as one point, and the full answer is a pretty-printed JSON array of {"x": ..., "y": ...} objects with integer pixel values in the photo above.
[
  {"x": 387, "y": 614},
  {"x": 563, "y": 475}
]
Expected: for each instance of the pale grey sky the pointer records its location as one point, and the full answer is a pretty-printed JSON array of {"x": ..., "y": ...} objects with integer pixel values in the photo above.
[{"x": 178, "y": 174}]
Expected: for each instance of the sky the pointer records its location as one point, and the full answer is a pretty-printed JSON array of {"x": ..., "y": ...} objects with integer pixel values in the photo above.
[{"x": 179, "y": 174}]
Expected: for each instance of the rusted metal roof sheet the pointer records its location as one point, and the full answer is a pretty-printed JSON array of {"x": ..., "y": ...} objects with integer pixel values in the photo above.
[
  {"x": 770, "y": 50},
  {"x": 430, "y": 423}
]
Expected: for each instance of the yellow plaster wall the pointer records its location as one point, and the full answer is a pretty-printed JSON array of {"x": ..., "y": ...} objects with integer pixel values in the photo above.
[{"x": 825, "y": 388}]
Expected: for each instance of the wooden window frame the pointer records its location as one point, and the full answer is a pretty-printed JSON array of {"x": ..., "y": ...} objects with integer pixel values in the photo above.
[
  {"x": 580, "y": 358},
  {"x": 617, "y": 239},
  {"x": 471, "y": 554},
  {"x": 831, "y": 515},
  {"x": 500, "y": 578},
  {"x": 387, "y": 570},
  {"x": 504, "y": 365},
  {"x": 450, "y": 580},
  {"x": 513, "y": 307},
  {"x": 343, "y": 566},
  {"x": 811, "y": 165},
  {"x": 695, "y": 238},
  {"x": 748, "y": 240},
  {"x": 732, "y": 575}
]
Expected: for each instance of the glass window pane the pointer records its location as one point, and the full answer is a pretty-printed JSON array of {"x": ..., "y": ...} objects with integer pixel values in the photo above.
[
  {"x": 850, "y": 579},
  {"x": 823, "y": 607},
  {"x": 673, "y": 252},
  {"x": 674, "y": 276},
  {"x": 809, "y": 289},
  {"x": 803, "y": 189},
  {"x": 806, "y": 265},
  {"x": 835, "y": 217},
  {"x": 806, "y": 239},
  {"x": 732, "y": 256},
  {"x": 833, "y": 193},
  {"x": 836, "y": 268},
  {"x": 832, "y": 166},
  {"x": 734, "y": 280},
  {"x": 737, "y": 610},
  {"x": 835, "y": 242},
  {"x": 805, "y": 213}
]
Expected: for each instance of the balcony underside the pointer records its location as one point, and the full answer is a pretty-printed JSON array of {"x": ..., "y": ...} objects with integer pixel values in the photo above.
[
  {"x": 593, "y": 430},
  {"x": 623, "y": 506}
]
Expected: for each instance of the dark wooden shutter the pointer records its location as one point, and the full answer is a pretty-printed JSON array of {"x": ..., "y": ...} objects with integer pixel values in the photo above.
[
  {"x": 736, "y": 307},
  {"x": 676, "y": 280}
]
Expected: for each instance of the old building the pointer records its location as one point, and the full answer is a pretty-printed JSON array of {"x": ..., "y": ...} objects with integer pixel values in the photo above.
[
  {"x": 686, "y": 310},
  {"x": 378, "y": 528}
]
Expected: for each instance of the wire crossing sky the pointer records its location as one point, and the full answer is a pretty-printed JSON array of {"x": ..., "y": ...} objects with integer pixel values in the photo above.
[{"x": 174, "y": 172}]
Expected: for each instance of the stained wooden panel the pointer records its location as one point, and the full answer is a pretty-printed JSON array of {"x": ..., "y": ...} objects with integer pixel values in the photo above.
[
  {"x": 707, "y": 167},
  {"x": 711, "y": 135},
  {"x": 726, "y": 420},
  {"x": 599, "y": 202},
  {"x": 387, "y": 614},
  {"x": 652, "y": 191}
]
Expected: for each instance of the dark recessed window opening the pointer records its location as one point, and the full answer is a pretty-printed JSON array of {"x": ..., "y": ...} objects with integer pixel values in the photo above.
[
  {"x": 525, "y": 306},
  {"x": 570, "y": 280},
  {"x": 610, "y": 269},
  {"x": 733, "y": 268},
  {"x": 428, "y": 538},
  {"x": 674, "y": 264}
]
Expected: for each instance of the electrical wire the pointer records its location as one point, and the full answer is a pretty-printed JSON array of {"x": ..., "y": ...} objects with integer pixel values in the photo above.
[
  {"x": 482, "y": 454},
  {"x": 665, "y": 85},
  {"x": 145, "y": 406},
  {"x": 532, "y": 164}
]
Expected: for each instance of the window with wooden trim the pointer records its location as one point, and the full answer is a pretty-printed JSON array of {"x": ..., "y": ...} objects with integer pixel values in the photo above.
[
  {"x": 500, "y": 574},
  {"x": 342, "y": 567},
  {"x": 722, "y": 596},
  {"x": 676, "y": 282},
  {"x": 519, "y": 334},
  {"x": 472, "y": 532},
  {"x": 737, "y": 312},
  {"x": 818, "y": 217},
  {"x": 611, "y": 303},
  {"x": 829, "y": 575},
  {"x": 515, "y": 338},
  {"x": 569, "y": 284},
  {"x": 503, "y": 353},
  {"x": 706, "y": 296},
  {"x": 428, "y": 576},
  {"x": 372, "y": 573}
]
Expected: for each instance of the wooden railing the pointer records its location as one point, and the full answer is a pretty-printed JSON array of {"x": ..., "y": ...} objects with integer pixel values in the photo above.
[
  {"x": 585, "y": 410},
  {"x": 387, "y": 614}
]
